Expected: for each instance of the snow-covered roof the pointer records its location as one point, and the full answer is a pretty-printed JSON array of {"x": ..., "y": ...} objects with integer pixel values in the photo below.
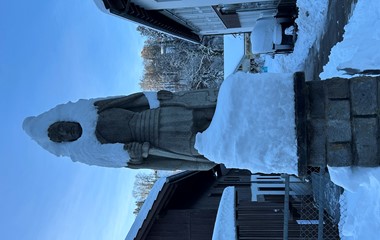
[
  {"x": 233, "y": 52},
  {"x": 100, "y": 5},
  {"x": 154, "y": 194},
  {"x": 225, "y": 226},
  {"x": 147, "y": 206}
]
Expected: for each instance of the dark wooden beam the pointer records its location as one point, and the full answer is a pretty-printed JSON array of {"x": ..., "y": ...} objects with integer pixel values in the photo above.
[
  {"x": 150, "y": 18},
  {"x": 230, "y": 20}
]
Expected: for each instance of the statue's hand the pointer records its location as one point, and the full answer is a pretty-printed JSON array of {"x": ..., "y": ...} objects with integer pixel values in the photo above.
[{"x": 137, "y": 151}]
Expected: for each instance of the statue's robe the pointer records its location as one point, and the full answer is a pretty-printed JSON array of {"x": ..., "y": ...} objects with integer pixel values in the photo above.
[{"x": 171, "y": 127}]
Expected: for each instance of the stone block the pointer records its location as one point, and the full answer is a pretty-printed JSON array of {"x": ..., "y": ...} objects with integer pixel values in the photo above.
[
  {"x": 338, "y": 109},
  {"x": 339, "y": 154},
  {"x": 317, "y": 142},
  {"x": 365, "y": 132},
  {"x": 316, "y": 99},
  {"x": 364, "y": 96},
  {"x": 338, "y": 131},
  {"x": 337, "y": 88}
]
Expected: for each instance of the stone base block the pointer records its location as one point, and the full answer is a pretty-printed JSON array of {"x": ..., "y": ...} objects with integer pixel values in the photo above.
[
  {"x": 339, "y": 154},
  {"x": 338, "y": 109},
  {"x": 365, "y": 131},
  {"x": 337, "y": 88},
  {"x": 364, "y": 96},
  {"x": 316, "y": 99},
  {"x": 317, "y": 143},
  {"x": 338, "y": 131}
]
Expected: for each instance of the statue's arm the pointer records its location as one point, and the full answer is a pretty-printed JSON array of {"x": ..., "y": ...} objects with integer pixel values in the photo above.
[
  {"x": 135, "y": 102},
  {"x": 137, "y": 151}
]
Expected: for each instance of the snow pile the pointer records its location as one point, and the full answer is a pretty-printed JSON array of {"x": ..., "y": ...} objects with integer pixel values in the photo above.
[
  {"x": 253, "y": 126},
  {"x": 360, "y": 202},
  {"x": 360, "y": 47},
  {"x": 225, "y": 226},
  {"x": 311, "y": 22},
  {"x": 87, "y": 149}
]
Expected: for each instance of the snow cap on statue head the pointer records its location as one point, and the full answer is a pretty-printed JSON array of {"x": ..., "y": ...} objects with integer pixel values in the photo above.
[{"x": 85, "y": 149}]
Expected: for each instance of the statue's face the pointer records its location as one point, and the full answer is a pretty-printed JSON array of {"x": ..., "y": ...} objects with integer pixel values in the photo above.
[{"x": 64, "y": 131}]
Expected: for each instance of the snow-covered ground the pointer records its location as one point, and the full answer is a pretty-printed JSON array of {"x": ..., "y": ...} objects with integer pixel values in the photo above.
[
  {"x": 310, "y": 22},
  {"x": 360, "y": 48},
  {"x": 360, "y": 211}
]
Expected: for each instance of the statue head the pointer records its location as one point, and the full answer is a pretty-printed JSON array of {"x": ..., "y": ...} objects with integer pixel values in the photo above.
[{"x": 64, "y": 131}]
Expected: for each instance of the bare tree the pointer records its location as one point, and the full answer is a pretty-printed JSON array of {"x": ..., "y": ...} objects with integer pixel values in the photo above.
[
  {"x": 142, "y": 186},
  {"x": 174, "y": 64}
]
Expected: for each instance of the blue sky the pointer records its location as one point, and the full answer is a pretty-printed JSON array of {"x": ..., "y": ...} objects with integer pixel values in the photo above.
[{"x": 52, "y": 52}]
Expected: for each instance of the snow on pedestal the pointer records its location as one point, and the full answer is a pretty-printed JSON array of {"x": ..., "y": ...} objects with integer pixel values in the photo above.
[
  {"x": 225, "y": 226},
  {"x": 254, "y": 124}
]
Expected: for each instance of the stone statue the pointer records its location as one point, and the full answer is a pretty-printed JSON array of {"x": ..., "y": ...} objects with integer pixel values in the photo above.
[{"x": 154, "y": 138}]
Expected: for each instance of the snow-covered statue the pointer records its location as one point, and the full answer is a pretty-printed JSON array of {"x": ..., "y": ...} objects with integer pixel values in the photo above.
[{"x": 142, "y": 130}]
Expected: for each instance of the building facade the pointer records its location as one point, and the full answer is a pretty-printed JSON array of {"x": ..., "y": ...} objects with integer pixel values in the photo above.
[
  {"x": 185, "y": 206},
  {"x": 193, "y": 19}
]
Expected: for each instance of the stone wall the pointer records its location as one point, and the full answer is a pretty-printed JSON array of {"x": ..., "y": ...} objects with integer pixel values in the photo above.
[{"x": 343, "y": 122}]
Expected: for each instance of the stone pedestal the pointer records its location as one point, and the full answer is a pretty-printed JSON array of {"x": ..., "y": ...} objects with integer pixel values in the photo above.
[{"x": 343, "y": 122}]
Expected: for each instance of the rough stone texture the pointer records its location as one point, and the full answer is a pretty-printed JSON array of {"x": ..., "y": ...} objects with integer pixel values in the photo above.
[
  {"x": 316, "y": 99},
  {"x": 378, "y": 92},
  {"x": 337, "y": 88},
  {"x": 364, "y": 96},
  {"x": 338, "y": 131},
  {"x": 300, "y": 105},
  {"x": 343, "y": 127},
  {"x": 365, "y": 132},
  {"x": 339, "y": 154},
  {"x": 317, "y": 142},
  {"x": 338, "y": 110}
]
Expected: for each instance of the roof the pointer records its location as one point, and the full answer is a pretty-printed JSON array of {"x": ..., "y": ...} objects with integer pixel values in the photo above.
[
  {"x": 150, "y": 206},
  {"x": 149, "y": 18},
  {"x": 233, "y": 53},
  {"x": 147, "y": 206}
]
